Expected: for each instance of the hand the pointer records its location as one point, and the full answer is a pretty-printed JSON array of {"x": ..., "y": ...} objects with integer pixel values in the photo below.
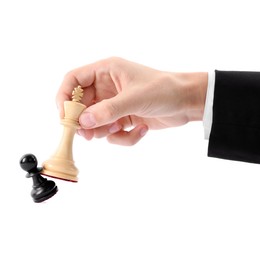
[{"x": 125, "y": 99}]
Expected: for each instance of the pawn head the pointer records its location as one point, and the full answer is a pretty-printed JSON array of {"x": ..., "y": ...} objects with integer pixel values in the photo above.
[{"x": 28, "y": 162}]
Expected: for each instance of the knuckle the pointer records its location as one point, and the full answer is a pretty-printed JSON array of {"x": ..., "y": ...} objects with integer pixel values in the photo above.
[
  {"x": 114, "y": 61},
  {"x": 70, "y": 77},
  {"x": 69, "y": 74}
]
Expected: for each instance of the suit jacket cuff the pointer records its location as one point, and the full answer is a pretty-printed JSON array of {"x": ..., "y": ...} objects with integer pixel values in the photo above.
[{"x": 235, "y": 131}]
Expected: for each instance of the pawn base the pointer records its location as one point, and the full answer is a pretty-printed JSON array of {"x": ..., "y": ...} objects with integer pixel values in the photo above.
[
  {"x": 47, "y": 196},
  {"x": 43, "y": 189}
]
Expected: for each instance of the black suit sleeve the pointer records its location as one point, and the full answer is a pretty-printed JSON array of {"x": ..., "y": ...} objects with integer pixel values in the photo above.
[{"x": 235, "y": 132}]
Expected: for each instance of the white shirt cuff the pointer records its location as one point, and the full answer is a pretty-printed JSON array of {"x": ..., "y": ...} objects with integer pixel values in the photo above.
[{"x": 208, "y": 110}]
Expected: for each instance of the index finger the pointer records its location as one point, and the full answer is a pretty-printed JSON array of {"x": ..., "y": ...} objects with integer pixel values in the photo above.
[{"x": 83, "y": 76}]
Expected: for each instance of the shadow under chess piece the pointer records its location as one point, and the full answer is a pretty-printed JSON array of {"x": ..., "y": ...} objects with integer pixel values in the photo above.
[{"x": 43, "y": 189}]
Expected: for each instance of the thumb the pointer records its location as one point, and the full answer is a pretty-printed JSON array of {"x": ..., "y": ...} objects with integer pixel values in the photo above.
[{"x": 107, "y": 111}]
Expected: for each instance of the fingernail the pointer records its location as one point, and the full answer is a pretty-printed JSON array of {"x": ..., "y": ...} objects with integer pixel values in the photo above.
[
  {"x": 87, "y": 120},
  {"x": 143, "y": 132},
  {"x": 114, "y": 128}
]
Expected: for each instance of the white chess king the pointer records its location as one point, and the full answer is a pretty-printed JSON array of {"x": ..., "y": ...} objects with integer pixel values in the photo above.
[{"x": 61, "y": 164}]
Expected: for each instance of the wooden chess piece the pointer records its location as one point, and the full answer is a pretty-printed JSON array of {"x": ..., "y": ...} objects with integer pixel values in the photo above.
[
  {"x": 42, "y": 188},
  {"x": 61, "y": 164}
]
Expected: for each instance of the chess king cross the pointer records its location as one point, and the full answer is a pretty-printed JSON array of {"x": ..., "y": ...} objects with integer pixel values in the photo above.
[{"x": 61, "y": 164}]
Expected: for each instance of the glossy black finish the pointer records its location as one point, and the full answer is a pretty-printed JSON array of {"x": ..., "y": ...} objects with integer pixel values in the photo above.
[{"x": 43, "y": 189}]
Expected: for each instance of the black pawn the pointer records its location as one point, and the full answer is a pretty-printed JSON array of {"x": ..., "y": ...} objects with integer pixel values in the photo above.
[{"x": 43, "y": 189}]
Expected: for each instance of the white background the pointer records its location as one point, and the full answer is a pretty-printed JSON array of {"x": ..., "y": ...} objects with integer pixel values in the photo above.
[{"x": 161, "y": 199}]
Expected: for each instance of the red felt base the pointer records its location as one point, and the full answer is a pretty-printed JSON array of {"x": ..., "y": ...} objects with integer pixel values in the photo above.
[{"x": 58, "y": 178}]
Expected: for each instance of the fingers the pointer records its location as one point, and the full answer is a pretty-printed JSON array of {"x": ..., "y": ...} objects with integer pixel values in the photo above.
[
  {"x": 100, "y": 131},
  {"x": 87, "y": 134},
  {"x": 106, "y": 130},
  {"x": 83, "y": 76},
  {"x": 116, "y": 134},
  {"x": 110, "y": 110},
  {"x": 128, "y": 138}
]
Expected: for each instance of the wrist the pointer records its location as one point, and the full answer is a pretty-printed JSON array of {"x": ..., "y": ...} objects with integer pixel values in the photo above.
[{"x": 195, "y": 88}]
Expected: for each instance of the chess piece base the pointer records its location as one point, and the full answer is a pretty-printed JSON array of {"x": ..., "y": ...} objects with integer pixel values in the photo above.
[
  {"x": 48, "y": 194},
  {"x": 60, "y": 169}
]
